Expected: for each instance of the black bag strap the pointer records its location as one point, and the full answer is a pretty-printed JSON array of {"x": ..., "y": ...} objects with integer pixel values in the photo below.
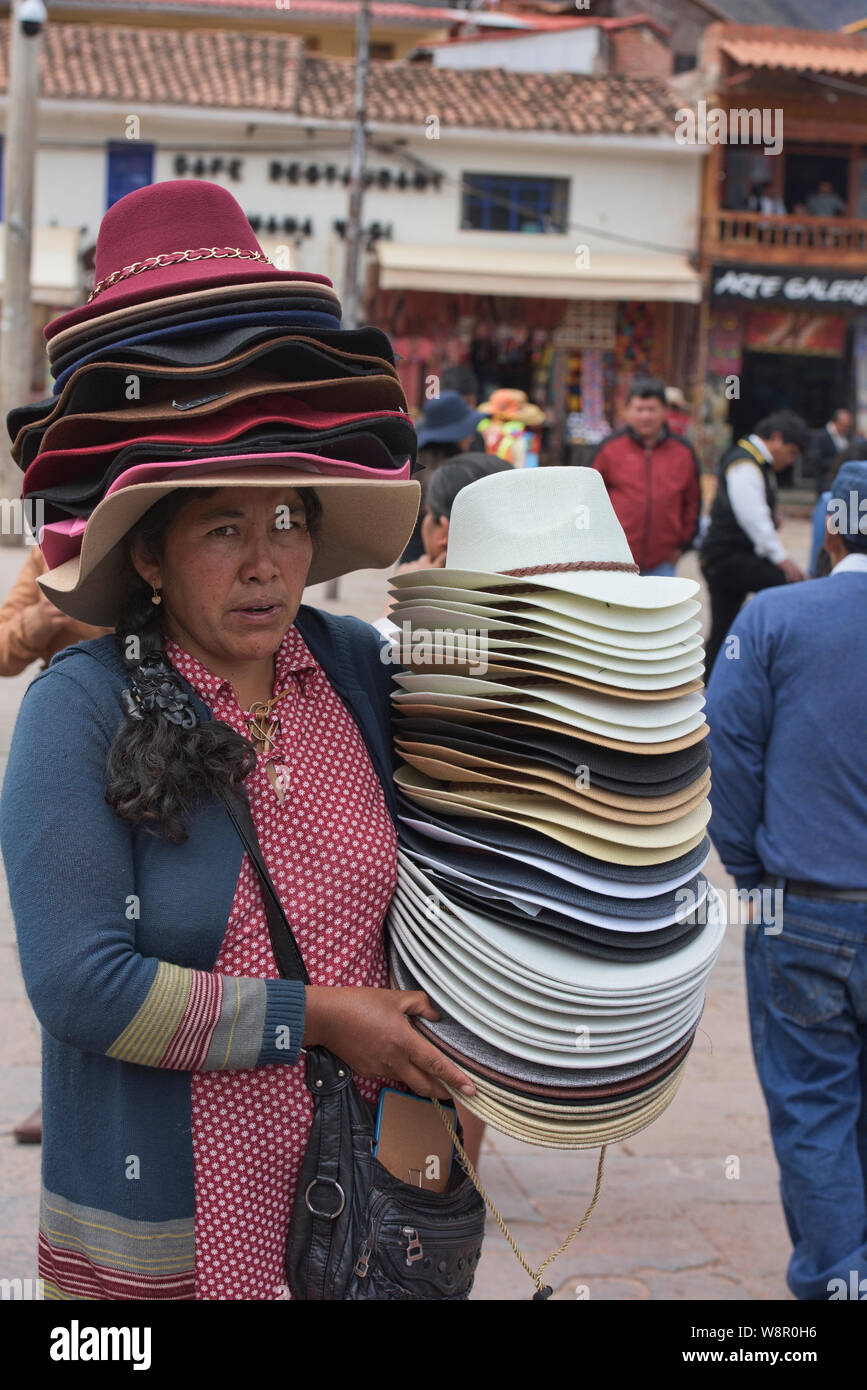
[{"x": 287, "y": 954}]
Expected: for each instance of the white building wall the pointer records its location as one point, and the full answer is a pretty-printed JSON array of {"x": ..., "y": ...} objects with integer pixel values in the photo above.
[
  {"x": 648, "y": 191},
  {"x": 569, "y": 50}
]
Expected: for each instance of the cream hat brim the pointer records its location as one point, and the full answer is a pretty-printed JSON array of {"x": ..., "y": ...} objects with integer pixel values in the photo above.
[{"x": 365, "y": 525}]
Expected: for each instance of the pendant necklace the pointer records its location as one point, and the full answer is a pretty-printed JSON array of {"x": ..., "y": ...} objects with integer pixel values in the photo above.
[{"x": 264, "y": 729}]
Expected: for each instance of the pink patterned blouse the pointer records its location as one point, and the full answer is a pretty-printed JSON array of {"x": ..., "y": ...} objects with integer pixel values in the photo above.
[{"x": 332, "y": 853}]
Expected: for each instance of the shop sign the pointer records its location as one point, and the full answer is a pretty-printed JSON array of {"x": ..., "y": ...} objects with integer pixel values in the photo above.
[{"x": 815, "y": 288}]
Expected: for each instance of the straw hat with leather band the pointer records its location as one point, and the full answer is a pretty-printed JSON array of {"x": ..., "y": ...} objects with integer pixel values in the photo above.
[
  {"x": 553, "y": 527},
  {"x": 365, "y": 525},
  {"x": 139, "y": 258}
]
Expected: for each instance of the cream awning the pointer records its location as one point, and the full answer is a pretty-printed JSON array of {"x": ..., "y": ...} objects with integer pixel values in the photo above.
[
  {"x": 55, "y": 270},
  {"x": 466, "y": 269}
]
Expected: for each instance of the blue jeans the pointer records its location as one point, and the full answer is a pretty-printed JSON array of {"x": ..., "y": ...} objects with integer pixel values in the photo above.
[
  {"x": 665, "y": 569},
  {"x": 807, "y": 989}
]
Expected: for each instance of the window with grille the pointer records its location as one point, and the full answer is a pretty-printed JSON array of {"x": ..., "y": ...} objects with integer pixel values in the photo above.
[{"x": 513, "y": 203}]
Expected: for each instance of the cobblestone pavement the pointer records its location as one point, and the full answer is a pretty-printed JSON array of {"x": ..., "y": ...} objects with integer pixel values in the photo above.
[{"x": 672, "y": 1222}]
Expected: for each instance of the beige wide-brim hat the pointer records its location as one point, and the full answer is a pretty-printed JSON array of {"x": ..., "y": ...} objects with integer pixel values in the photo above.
[
  {"x": 549, "y": 528},
  {"x": 365, "y": 525},
  {"x": 591, "y": 835}
]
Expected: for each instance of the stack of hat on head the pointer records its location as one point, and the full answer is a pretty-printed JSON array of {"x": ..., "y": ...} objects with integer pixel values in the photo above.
[
  {"x": 553, "y": 807},
  {"x": 197, "y": 359}
]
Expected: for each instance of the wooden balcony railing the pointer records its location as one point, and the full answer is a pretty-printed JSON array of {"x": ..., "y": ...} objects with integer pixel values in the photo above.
[{"x": 791, "y": 238}]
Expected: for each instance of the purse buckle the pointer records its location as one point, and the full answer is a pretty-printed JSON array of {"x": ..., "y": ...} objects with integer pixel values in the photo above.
[{"x": 414, "y": 1248}]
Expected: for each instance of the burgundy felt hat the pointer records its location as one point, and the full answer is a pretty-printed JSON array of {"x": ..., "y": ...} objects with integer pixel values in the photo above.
[{"x": 173, "y": 238}]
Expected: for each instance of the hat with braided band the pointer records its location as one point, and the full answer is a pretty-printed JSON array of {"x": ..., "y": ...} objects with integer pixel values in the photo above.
[{"x": 171, "y": 238}]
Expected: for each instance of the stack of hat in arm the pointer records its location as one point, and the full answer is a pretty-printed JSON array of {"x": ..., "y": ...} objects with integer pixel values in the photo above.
[
  {"x": 196, "y": 354},
  {"x": 553, "y": 800}
]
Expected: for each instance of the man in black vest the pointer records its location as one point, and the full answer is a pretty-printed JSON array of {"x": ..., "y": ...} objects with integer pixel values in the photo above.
[{"x": 741, "y": 552}]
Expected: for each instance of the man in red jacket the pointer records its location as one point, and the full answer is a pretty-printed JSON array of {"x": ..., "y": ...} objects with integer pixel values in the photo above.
[{"x": 652, "y": 477}]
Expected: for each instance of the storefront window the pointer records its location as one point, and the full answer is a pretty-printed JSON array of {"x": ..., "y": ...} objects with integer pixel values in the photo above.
[{"x": 501, "y": 203}]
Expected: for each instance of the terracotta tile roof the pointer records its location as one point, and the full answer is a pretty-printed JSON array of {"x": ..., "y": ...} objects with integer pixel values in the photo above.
[
  {"x": 178, "y": 67},
  {"x": 793, "y": 50},
  {"x": 215, "y": 68},
  {"x": 414, "y": 13},
  {"x": 490, "y": 98}
]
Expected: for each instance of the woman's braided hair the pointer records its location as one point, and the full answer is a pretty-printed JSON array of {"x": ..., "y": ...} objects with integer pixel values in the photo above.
[{"x": 162, "y": 762}]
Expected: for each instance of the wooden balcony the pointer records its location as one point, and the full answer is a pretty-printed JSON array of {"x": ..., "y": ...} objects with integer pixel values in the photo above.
[{"x": 790, "y": 239}]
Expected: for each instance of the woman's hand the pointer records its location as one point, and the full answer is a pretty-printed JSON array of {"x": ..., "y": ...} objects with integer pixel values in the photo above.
[{"x": 369, "y": 1029}]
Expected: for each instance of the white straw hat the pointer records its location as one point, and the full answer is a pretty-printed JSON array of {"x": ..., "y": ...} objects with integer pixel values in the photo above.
[{"x": 557, "y": 529}]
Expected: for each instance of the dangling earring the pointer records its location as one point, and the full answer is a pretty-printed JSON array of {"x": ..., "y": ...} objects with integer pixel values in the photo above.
[{"x": 157, "y": 596}]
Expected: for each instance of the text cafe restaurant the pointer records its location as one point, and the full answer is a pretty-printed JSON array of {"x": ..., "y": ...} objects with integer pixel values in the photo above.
[
  {"x": 782, "y": 337},
  {"x": 573, "y": 343}
]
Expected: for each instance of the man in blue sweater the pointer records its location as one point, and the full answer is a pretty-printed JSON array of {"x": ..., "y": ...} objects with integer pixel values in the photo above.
[{"x": 788, "y": 738}]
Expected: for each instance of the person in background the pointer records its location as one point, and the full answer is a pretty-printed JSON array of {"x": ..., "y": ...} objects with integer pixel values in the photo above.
[
  {"x": 761, "y": 199},
  {"x": 827, "y": 449},
  {"x": 442, "y": 489},
  {"x": 32, "y": 629},
  {"x": 789, "y": 802},
  {"x": 677, "y": 415},
  {"x": 827, "y": 445},
  {"x": 510, "y": 426},
  {"x": 448, "y": 426},
  {"x": 463, "y": 380},
  {"x": 652, "y": 477},
  {"x": 821, "y": 562},
  {"x": 826, "y": 201},
  {"x": 741, "y": 552}
]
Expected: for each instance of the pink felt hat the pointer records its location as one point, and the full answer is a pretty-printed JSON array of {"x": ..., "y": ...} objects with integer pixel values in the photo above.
[{"x": 171, "y": 238}]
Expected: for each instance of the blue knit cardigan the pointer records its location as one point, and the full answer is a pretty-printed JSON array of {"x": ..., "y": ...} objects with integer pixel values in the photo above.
[{"x": 110, "y": 921}]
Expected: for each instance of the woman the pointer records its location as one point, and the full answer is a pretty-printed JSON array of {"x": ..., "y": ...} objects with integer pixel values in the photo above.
[
  {"x": 443, "y": 486},
  {"x": 448, "y": 426},
  {"x": 175, "y": 1109}
]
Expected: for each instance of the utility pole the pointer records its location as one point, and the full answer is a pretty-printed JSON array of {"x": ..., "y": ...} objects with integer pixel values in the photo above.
[
  {"x": 351, "y": 286},
  {"x": 352, "y": 263},
  {"x": 26, "y": 20}
]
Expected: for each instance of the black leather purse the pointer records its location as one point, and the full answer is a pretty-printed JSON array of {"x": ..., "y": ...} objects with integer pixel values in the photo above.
[{"x": 356, "y": 1231}]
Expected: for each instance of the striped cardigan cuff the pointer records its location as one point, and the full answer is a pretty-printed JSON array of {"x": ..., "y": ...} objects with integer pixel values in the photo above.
[
  {"x": 284, "y": 1022},
  {"x": 192, "y": 1020}
]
